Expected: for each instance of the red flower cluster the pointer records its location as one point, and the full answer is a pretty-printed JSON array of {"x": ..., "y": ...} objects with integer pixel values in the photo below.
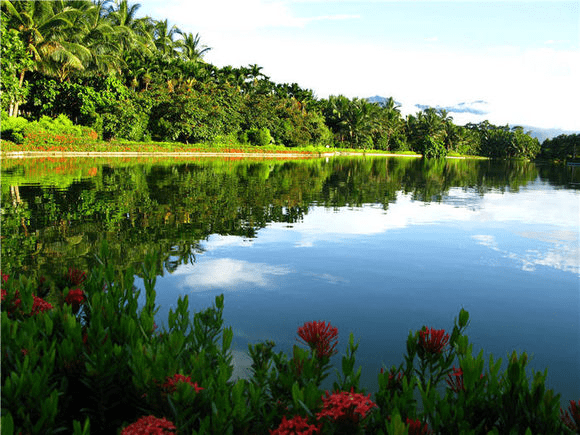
[
  {"x": 433, "y": 340},
  {"x": 76, "y": 277},
  {"x": 295, "y": 426},
  {"x": 171, "y": 384},
  {"x": 455, "y": 380},
  {"x": 39, "y": 305},
  {"x": 346, "y": 405},
  {"x": 418, "y": 428},
  {"x": 4, "y": 281},
  {"x": 321, "y": 337},
  {"x": 75, "y": 296},
  {"x": 150, "y": 425},
  {"x": 573, "y": 419}
]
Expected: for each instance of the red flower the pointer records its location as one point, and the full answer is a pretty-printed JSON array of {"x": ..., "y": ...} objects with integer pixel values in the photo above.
[
  {"x": 39, "y": 305},
  {"x": 150, "y": 425},
  {"x": 418, "y": 428},
  {"x": 455, "y": 380},
  {"x": 572, "y": 420},
  {"x": 75, "y": 296},
  {"x": 76, "y": 277},
  {"x": 297, "y": 425},
  {"x": 320, "y": 337},
  {"x": 433, "y": 340},
  {"x": 4, "y": 293},
  {"x": 4, "y": 278},
  {"x": 345, "y": 405},
  {"x": 171, "y": 384}
]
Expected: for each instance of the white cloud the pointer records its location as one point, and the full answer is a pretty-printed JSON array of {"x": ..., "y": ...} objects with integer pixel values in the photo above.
[
  {"x": 227, "y": 273},
  {"x": 531, "y": 86},
  {"x": 486, "y": 240},
  {"x": 562, "y": 251},
  {"x": 242, "y": 364},
  {"x": 234, "y": 16},
  {"x": 217, "y": 241},
  {"x": 557, "y": 208}
]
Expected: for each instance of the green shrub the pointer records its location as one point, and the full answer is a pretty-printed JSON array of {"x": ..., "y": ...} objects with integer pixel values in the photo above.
[
  {"x": 84, "y": 354},
  {"x": 259, "y": 136},
  {"x": 12, "y": 128}
]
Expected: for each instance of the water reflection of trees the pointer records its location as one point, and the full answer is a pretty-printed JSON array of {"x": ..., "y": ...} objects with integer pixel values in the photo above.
[{"x": 172, "y": 207}]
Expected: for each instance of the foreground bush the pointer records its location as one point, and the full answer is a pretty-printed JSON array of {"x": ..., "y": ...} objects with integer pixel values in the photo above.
[{"x": 82, "y": 355}]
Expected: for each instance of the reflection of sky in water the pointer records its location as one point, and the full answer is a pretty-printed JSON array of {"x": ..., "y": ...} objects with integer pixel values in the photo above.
[
  {"x": 380, "y": 273},
  {"x": 228, "y": 273}
]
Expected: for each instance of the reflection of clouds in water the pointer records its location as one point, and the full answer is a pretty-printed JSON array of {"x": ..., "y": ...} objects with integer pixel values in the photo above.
[
  {"x": 563, "y": 254},
  {"x": 549, "y": 207},
  {"x": 332, "y": 279},
  {"x": 242, "y": 364},
  {"x": 217, "y": 241},
  {"x": 227, "y": 272},
  {"x": 485, "y": 240}
]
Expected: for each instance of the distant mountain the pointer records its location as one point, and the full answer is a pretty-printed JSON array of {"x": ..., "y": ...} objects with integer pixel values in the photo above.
[
  {"x": 381, "y": 101},
  {"x": 545, "y": 133},
  {"x": 480, "y": 107}
]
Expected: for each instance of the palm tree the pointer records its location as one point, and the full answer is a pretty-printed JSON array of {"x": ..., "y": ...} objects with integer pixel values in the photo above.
[
  {"x": 133, "y": 33},
  {"x": 46, "y": 28},
  {"x": 163, "y": 39},
  {"x": 190, "y": 47},
  {"x": 100, "y": 36}
]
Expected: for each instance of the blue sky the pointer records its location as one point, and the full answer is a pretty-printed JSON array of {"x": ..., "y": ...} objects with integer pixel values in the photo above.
[{"x": 517, "y": 61}]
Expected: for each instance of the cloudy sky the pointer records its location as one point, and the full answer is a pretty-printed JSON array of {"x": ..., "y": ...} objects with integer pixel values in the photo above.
[{"x": 515, "y": 62}]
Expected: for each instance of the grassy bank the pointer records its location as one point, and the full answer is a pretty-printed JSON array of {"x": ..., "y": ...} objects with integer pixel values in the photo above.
[{"x": 128, "y": 149}]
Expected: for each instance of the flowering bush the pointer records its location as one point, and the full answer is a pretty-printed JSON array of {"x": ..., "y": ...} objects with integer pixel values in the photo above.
[
  {"x": 150, "y": 425},
  {"x": 345, "y": 405},
  {"x": 571, "y": 417},
  {"x": 296, "y": 425},
  {"x": 433, "y": 341},
  {"x": 321, "y": 337},
  {"x": 101, "y": 365},
  {"x": 171, "y": 384},
  {"x": 418, "y": 428}
]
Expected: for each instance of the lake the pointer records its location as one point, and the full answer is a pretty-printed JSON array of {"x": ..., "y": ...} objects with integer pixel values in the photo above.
[{"x": 377, "y": 246}]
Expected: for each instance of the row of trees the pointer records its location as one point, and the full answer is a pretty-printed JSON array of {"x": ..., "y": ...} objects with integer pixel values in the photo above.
[{"x": 143, "y": 79}]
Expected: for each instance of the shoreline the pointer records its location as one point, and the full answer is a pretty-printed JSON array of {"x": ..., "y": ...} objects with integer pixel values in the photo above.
[{"x": 34, "y": 154}]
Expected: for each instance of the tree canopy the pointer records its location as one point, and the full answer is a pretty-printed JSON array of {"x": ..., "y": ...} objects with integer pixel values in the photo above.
[{"x": 139, "y": 78}]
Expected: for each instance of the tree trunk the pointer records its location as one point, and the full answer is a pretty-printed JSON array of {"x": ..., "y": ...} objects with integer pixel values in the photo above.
[{"x": 14, "y": 108}]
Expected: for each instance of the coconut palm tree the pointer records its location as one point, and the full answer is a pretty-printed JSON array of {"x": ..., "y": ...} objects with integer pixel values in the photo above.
[
  {"x": 134, "y": 34},
  {"x": 190, "y": 47},
  {"x": 163, "y": 39},
  {"x": 46, "y": 29}
]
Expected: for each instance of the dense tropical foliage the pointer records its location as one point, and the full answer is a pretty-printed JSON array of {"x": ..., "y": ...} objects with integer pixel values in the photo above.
[{"x": 142, "y": 79}]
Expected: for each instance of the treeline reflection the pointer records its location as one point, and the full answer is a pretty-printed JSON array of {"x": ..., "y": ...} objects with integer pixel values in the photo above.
[{"x": 55, "y": 214}]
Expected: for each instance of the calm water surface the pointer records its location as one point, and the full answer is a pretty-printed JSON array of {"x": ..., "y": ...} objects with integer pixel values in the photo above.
[{"x": 375, "y": 246}]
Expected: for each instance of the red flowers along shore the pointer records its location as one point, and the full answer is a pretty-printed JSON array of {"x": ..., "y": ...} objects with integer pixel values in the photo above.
[
  {"x": 150, "y": 425},
  {"x": 346, "y": 406},
  {"x": 283, "y": 395},
  {"x": 321, "y": 337}
]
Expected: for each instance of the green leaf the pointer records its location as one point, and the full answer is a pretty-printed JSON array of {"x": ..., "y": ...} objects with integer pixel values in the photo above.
[{"x": 7, "y": 426}]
